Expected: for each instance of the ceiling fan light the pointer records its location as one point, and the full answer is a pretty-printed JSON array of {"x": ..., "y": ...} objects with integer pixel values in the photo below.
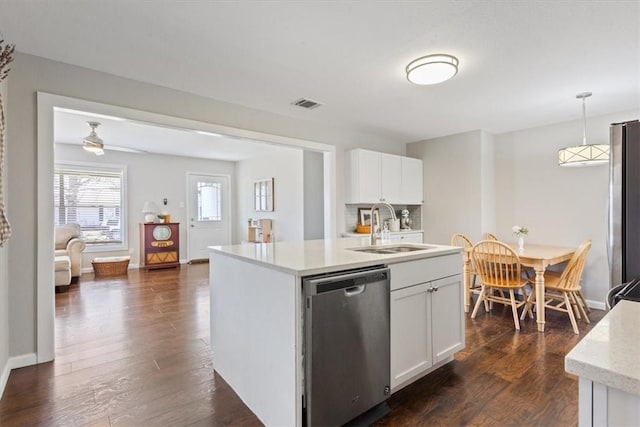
[
  {"x": 96, "y": 149},
  {"x": 432, "y": 69},
  {"x": 93, "y": 143}
]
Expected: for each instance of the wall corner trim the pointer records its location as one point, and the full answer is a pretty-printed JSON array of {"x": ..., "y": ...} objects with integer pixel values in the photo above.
[
  {"x": 4, "y": 377},
  {"x": 15, "y": 363},
  {"x": 598, "y": 305}
]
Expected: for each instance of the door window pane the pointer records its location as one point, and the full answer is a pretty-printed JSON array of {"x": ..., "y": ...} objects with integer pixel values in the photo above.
[{"x": 209, "y": 201}]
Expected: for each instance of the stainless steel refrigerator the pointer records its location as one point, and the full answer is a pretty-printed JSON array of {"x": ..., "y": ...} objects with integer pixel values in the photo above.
[{"x": 624, "y": 203}]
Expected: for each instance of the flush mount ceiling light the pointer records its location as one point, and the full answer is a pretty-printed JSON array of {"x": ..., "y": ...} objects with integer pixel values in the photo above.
[
  {"x": 93, "y": 143},
  {"x": 585, "y": 154},
  {"x": 432, "y": 69}
]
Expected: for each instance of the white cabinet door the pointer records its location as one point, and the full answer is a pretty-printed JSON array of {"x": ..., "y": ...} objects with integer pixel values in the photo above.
[
  {"x": 364, "y": 177},
  {"x": 447, "y": 318},
  {"x": 410, "y": 333},
  {"x": 391, "y": 173},
  {"x": 412, "y": 193},
  {"x": 407, "y": 237},
  {"x": 373, "y": 177}
]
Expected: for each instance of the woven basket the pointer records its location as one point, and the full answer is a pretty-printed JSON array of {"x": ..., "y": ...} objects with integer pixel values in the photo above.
[{"x": 110, "y": 268}]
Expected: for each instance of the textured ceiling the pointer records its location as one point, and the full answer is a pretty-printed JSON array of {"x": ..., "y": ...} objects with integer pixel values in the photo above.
[{"x": 521, "y": 63}]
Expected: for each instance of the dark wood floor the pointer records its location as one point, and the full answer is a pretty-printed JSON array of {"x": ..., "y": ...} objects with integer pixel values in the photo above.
[{"x": 135, "y": 351}]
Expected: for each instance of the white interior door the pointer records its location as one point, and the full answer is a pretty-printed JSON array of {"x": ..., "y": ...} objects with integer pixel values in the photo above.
[{"x": 209, "y": 213}]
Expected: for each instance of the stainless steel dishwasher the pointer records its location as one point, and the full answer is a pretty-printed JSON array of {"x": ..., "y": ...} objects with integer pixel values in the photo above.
[{"x": 346, "y": 349}]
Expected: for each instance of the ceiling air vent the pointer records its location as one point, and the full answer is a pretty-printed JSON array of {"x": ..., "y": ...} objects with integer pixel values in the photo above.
[{"x": 306, "y": 103}]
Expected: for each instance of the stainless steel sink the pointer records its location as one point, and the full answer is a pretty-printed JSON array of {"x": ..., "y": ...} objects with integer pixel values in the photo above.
[{"x": 393, "y": 249}]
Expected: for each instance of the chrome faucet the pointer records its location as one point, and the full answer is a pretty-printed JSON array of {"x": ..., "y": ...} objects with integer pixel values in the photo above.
[{"x": 375, "y": 239}]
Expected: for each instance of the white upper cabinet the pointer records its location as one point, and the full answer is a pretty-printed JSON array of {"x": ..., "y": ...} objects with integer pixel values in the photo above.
[
  {"x": 379, "y": 177},
  {"x": 412, "y": 181},
  {"x": 391, "y": 186}
]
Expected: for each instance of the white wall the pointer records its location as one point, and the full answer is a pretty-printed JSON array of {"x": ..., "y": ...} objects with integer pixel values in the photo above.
[
  {"x": 452, "y": 185},
  {"x": 286, "y": 170},
  {"x": 31, "y": 74},
  {"x": 313, "y": 169},
  {"x": 560, "y": 206},
  {"x": 487, "y": 183},
  {"x": 4, "y": 287},
  {"x": 150, "y": 177}
]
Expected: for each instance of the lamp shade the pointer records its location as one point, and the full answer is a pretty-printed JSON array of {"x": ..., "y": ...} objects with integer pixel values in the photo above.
[
  {"x": 150, "y": 208},
  {"x": 585, "y": 154}
]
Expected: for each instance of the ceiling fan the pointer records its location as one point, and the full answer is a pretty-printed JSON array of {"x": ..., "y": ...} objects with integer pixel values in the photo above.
[{"x": 94, "y": 144}]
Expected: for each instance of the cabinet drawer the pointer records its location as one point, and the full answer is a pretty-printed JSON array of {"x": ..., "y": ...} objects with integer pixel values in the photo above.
[
  {"x": 424, "y": 270},
  {"x": 162, "y": 257}
]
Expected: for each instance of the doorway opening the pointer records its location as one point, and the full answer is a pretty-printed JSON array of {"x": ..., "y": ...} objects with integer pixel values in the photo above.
[{"x": 46, "y": 105}]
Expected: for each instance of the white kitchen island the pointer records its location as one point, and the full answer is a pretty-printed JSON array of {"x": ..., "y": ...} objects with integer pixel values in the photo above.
[
  {"x": 257, "y": 315},
  {"x": 607, "y": 360}
]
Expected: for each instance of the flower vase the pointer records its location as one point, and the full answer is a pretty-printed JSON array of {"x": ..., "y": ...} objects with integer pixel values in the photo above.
[{"x": 521, "y": 243}]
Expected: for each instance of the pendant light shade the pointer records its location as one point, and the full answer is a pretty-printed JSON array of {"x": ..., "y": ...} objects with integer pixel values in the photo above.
[
  {"x": 585, "y": 154},
  {"x": 93, "y": 143},
  {"x": 432, "y": 69}
]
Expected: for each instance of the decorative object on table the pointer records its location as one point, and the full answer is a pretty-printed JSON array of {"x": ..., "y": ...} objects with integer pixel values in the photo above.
[
  {"x": 6, "y": 56},
  {"x": 92, "y": 142},
  {"x": 585, "y": 154},
  {"x": 164, "y": 217},
  {"x": 520, "y": 231},
  {"x": 263, "y": 195},
  {"x": 150, "y": 210},
  {"x": 405, "y": 221},
  {"x": 364, "y": 217}
]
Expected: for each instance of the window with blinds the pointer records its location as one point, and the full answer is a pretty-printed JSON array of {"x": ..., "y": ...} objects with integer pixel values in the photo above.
[{"x": 92, "y": 198}]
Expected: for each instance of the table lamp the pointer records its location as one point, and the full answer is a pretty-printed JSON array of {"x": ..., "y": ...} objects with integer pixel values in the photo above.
[{"x": 149, "y": 210}]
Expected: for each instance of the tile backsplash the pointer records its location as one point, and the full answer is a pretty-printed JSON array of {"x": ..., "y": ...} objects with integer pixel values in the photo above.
[{"x": 351, "y": 215}]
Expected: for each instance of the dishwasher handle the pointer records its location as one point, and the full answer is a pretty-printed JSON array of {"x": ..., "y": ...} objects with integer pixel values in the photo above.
[{"x": 354, "y": 290}]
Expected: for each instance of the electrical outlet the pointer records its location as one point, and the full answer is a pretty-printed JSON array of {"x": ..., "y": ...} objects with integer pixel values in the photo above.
[{"x": 181, "y": 204}]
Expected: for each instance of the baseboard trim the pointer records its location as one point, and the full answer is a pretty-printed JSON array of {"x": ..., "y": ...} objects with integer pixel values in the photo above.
[
  {"x": 598, "y": 305},
  {"x": 4, "y": 377},
  {"x": 23, "y": 360},
  {"x": 15, "y": 363}
]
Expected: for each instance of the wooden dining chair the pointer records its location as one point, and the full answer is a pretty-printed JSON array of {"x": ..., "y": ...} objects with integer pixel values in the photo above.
[
  {"x": 499, "y": 269},
  {"x": 459, "y": 239},
  {"x": 490, "y": 236},
  {"x": 562, "y": 291}
]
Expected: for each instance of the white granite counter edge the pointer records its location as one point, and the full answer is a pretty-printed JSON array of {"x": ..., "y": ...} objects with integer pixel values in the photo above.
[
  {"x": 609, "y": 353},
  {"x": 353, "y": 260}
]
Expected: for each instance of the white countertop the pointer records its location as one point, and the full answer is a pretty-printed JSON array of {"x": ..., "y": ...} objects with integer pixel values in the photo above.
[
  {"x": 610, "y": 353},
  {"x": 323, "y": 256}
]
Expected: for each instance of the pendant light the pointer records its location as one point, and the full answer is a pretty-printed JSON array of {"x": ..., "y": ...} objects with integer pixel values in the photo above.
[
  {"x": 93, "y": 143},
  {"x": 585, "y": 154}
]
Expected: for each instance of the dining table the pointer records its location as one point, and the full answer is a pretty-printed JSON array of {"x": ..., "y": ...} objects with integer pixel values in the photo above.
[{"x": 538, "y": 257}]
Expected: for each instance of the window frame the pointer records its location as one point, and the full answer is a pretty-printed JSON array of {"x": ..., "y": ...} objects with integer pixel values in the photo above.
[{"x": 124, "y": 223}]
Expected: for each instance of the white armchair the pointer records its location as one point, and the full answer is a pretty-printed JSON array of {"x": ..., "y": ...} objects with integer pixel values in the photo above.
[{"x": 68, "y": 242}]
